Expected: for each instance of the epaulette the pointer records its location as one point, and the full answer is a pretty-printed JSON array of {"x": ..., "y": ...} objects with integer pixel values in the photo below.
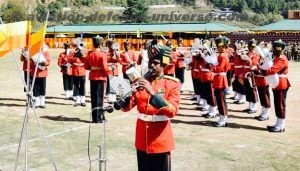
[{"x": 171, "y": 78}]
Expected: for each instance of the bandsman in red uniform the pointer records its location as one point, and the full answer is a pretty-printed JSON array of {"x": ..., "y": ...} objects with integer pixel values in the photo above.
[
  {"x": 220, "y": 81},
  {"x": 65, "y": 65},
  {"x": 157, "y": 100},
  {"x": 23, "y": 58},
  {"x": 96, "y": 62},
  {"x": 280, "y": 67},
  {"x": 179, "y": 65},
  {"x": 143, "y": 59},
  {"x": 77, "y": 60},
  {"x": 170, "y": 69},
  {"x": 39, "y": 85},
  {"x": 248, "y": 77},
  {"x": 127, "y": 59},
  {"x": 230, "y": 72},
  {"x": 237, "y": 86},
  {"x": 112, "y": 62}
]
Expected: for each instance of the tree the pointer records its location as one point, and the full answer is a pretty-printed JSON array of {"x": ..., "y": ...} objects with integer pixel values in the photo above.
[
  {"x": 135, "y": 11},
  {"x": 13, "y": 12},
  {"x": 41, "y": 12}
]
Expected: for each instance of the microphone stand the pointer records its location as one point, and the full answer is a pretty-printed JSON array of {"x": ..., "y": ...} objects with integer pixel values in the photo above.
[{"x": 102, "y": 147}]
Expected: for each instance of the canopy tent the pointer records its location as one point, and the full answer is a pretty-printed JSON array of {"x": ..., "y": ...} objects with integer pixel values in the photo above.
[
  {"x": 281, "y": 26},
  {"x": 133, "y": 28}
]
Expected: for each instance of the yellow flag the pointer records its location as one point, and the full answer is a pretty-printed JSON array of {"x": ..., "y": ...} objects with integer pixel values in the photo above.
[
  {"x": 12, "y": 36},
  {"x": 37, "y": 41}
]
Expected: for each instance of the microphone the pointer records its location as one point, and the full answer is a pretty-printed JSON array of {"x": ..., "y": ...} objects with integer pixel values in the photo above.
[{"x": 108, "y": 109}]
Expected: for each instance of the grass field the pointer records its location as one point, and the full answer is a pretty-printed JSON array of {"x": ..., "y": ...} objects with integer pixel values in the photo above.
[{"x": 244, "y": 145}]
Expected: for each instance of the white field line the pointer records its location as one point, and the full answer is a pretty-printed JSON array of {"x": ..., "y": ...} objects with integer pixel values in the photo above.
[{"x": 61, "y": 132}]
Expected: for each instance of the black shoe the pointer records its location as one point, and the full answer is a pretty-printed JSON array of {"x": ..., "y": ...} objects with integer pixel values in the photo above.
[
  {"x": 276, "y": 129},
  {"x": 238, "y": 102},
  {"x": 193, "y": 98},
  {"x": 83, "y": 104},
  {"x": 261, "y": 118},
  {"x": 76, "y": 104},
  {"x": 216, "y": 124},
  {"x": 232, "y": 98},
  {"x": 42, "y": 106},
  {"x": 97, "y": 121},
  {"x": 251, "y": 111},
  {"x": 246, "y": 110},
  {"x": 205, "y": 115},
  {"x": 209, "y": 116},
  {"x": 269, "y": 127}
]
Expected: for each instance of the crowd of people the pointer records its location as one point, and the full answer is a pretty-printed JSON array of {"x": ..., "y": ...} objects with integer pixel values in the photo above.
[{"x": 217, "y": 68}]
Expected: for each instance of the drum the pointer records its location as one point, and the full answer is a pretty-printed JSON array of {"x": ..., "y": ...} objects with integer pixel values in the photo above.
[
  {"x": 272, "y": 80},
  {"x": 133, "y": 74}
]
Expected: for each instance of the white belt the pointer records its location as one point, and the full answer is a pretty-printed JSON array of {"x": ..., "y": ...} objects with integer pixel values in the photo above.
[
  {"x": 238, "y": 66},
  {"x": 245, "y": 66},
  {"x": 259, "y": 76},
  {"x": 205, "y": 70},
  {"x": 282, "y": 75},
  {"x": 152, "y": 118},
  {"x": 220, "y": 73},
  {"x": 196, "y": 70}
]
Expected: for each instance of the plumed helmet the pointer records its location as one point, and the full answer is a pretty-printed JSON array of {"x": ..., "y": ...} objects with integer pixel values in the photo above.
[
  {"x": 67, "y": 45},
  {"x": 179, "y": 40},
  {"x": 252, "y": 43},
  {"x": 220, "y": 41},
  {"x": 279, "y": 45},
  {"x": 160, "y": 52},
  {"x": 97, "y": 41}
]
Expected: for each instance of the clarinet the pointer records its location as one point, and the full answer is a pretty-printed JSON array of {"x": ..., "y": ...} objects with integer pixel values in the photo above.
[{"x": 118, "y": 104}]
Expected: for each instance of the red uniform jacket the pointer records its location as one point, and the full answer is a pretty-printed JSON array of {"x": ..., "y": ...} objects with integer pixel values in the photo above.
[
  {"x": 248, "y": 64},
  {"x": 63, "y": 61},
  {"x": 238, "y": 66},
  {"x": 181, "y": 55},
  {"x": 260, "y": 80},
  {"x": 220, "y": 79},
  {"x": 125, "y": 61},
  {"x": 195, "y": 69},
  {"x": 280, "y": 66},
  {"x": 77, "y": 65},
  {"x": 207, "y": 75},
  {"x": 112, "y": 62},
  {"x": 96, "y": 61},
  {"x": 24, "y": 60},
  {"x": 156, "y": 137},
  {"x": 231, "y": 53},
  {"x": 170, "y": 69},
  {"x": 41, "y": 73}
]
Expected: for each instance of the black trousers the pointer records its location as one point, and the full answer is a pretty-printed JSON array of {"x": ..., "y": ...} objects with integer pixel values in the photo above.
[
  {"x": 79, "y": 85},
  {"x": 179, "y": 73},
  {"x": 280, "y": 102},
  {"x": 208, "y": 93},
  {"x": 25, "y": 79},
  {"x": 229, "y": 76},
  {"x": 68, "y": 82},
  {"x": 264, "y": 96},
  {"x": 220, "y": 98},
  {"x": 251, "y": 92},
  {"x": 154, "y": 162},
  {"x": 98, "y": 88},
  {"x": 197, "y": 86},
  {"x": 238, "y": 87},
  {"x": 39, "y": 87}
]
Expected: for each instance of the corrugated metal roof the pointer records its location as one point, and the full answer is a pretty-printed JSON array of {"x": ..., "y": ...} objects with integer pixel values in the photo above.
[
  {"x": 283, "y": 25},
  {"x": 132, "y": 28}
]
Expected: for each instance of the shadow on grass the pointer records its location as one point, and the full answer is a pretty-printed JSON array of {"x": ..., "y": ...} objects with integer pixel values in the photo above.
[
  {"x": 210, "y": 124},
  {"x": 12, "y": 105},
  {"x": 13, "y": 99},
  {"x": 62, "y": 118}
]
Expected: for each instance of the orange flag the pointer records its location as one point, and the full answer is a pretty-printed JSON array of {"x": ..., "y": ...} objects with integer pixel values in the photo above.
[
  {"x": 37, "y": 41},
  {"x": 12, "y": 36}
]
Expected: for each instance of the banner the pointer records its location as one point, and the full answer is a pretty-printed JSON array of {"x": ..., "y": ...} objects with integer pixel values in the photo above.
[{"x": 13, "y": 36}]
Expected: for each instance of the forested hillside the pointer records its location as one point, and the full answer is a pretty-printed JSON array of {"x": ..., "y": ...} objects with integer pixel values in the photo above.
[{"x": 257, "y": 12}]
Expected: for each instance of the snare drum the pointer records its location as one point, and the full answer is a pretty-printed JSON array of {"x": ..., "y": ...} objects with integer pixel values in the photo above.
[{"x": 133, "y": 74}]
